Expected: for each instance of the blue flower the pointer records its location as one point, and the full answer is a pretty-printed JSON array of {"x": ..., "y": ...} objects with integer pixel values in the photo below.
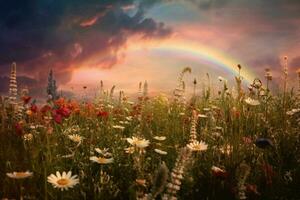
[{"x": 263, "y": 143}]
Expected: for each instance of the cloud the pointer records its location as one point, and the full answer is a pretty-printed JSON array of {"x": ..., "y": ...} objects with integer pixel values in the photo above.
[{"x": 45, "y": 34}]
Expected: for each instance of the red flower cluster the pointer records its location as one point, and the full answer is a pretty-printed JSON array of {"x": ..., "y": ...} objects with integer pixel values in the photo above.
[
  {"x": 26, "y": 99},
  {"x": 19, "y": 128},
  {"x": 103, "y": 114},
  {"x": 60, "y": 113},
  {"x": 34, "y": 108}
]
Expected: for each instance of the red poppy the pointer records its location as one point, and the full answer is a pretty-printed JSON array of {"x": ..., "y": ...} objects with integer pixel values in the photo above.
[
  {"x": 19, "y": 128},
  {"x": 57, "y": 118},
  {"x": 26, "y": 99},
  {"x": 60, "y": 102},
  {"x": 63, "y": 111},
  {"x": 247, "y": 140},
  {"x": 103, "y": 114},
  {"x": 45, "y": 109},
  {"x": 34, "y": 108}
]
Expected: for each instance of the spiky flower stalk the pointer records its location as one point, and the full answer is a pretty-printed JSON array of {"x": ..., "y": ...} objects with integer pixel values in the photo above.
[
  {"x": 238, "y": 80},
  {"x": 111, "y": 94},
  {"x": 242, "y": 175},
  {"x": 285, "y": 72},
  {"x": 208, "y": 91},
  {"x": 180, "y": 89},
  {"x": 101, "y": 88},
  {"x": 145, "y": 91},
  {"x": 140, "y": 89},
  {"x": 177, "y": 174},
  {"x": 195, "y": 84},
  {"x": 193, "y": 131},
  {"x": 13, "y": 88},
  {"x": 298, "y": 72},
  {"x": 21, "y": 106},
  {"x": 3, "y": 113},
  {"x": 121, "y": 95},
  {"x": 268, "y": 77},
  {"x": 51, "y": 87}
]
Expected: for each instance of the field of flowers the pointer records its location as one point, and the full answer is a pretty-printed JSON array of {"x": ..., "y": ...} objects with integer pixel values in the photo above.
[{"x": 243, "y": 145}]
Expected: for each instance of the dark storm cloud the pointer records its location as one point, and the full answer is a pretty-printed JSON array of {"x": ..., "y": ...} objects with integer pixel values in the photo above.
[
  {"x": 266, "y": 29},
  {"x": 57, "y": 34},
  {"x": 207, "y": 4}
]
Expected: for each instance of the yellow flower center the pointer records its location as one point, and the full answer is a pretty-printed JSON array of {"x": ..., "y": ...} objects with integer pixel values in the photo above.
[
  {"x": 77, "y": 139},
  {"x": 63, "y": 181},
  {"x": 20, "y": 174},
  {"x": 102, "y": 160}
]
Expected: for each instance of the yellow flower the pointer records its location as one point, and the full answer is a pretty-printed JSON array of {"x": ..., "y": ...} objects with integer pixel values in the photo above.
[
  {"x": 63, "y": 181},
  {"x": 19, "y": 175},
  {"x": 29, "y": 112}
]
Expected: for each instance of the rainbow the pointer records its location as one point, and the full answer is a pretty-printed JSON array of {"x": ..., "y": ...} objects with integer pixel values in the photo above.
[{"x": 205, "y": 54}]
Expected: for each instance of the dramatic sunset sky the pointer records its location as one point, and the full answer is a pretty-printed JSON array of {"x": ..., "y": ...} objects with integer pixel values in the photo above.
[{"x": 123, "y": 42}]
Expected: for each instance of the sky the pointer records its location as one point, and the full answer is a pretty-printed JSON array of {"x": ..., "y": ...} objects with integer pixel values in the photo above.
[{"x": 123, "y": 42}]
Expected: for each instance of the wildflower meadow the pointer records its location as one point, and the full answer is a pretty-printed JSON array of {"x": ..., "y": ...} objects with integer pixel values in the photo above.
[{"x": 230, "y": 145}]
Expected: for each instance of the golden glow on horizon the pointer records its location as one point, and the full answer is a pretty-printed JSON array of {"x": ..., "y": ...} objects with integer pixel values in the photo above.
[
  {"x": 202, "y": 51},
  {"x": 137, "y": 66}
]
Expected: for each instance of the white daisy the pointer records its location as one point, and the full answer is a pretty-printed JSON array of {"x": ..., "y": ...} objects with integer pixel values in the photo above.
[
  {"x": 197, "y": 146},
  {"x": 129, "y": 150},
  {"x": 118, "y": 127},
  {"x": 216, "y": 169},
  {"x": 202, "y": 116},
  {"x": 104, "y": 152},
  {"x": 27, "y": 137},
  {"x": 19, "y": 175},
  {"x": 63, "y": 181},
  {"x": 206, "y": 109},
  {"x": 227, "y": 149},
  {"x": 75, "y": 138},
  {"x": 293, "y": 111},
  {"x": 161, "y": 152},
  {"x": 160, "y": 138},
  {"x": 252, "y": 102},
  {"x": 140, "y": 143},
  {"x": 101, "y": 160}
]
